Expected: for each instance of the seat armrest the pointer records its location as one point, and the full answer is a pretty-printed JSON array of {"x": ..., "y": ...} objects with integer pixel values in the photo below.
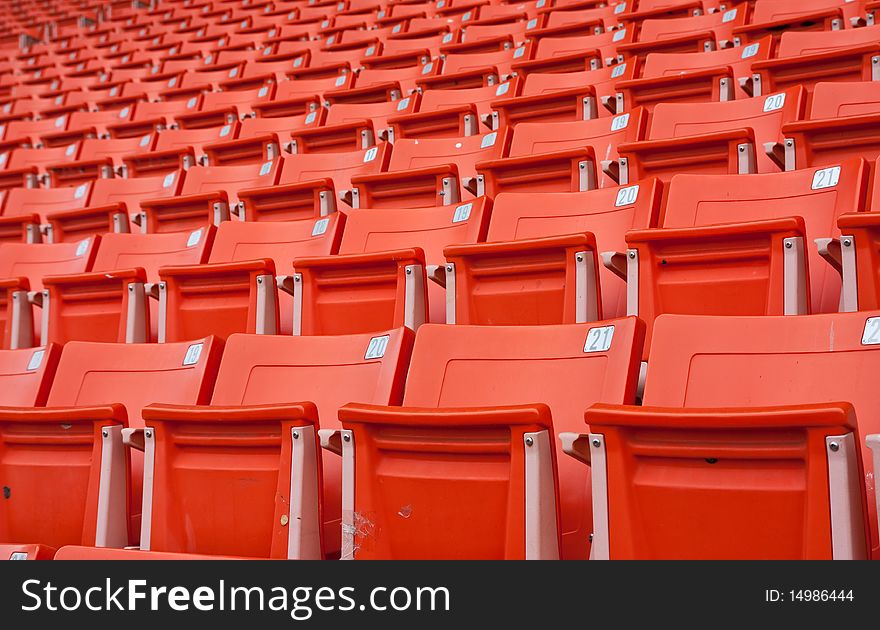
[
  {"x": 535, "y": 415},
  {"x": 263, "y": 266},
  {"x": 136, "y": 274},
  {"x": 304, "y": 412},
  {"x": 114, "y": 413}
]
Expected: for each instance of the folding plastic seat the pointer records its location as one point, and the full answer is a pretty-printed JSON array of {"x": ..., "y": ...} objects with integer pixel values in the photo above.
[
  {"x": 303, "y": 85},
  {"x": 563, "y": 96},
  {"x": 70, "y": 482},
  {"x": 488, "y": 445},
  {"x": 236, "y": 290},
  {"x": 738, "y": 433},
  {"x": 22, "y": 268},
  {"x": 26, "y": 166},
  {"x": 712, "y": 138},
  {"x": 782, "y": 16},
  {"x": 542, "y": 268},
  {"x": 283, "y": 126},
  {"x": 34, "y": 129},
  {"x": 206, "y": 196},
  {"x": 115, "y": 148},
  {"x": 407, "y": 78},
  {"x": 239, "y": 99},
  {"x": 742, "y": 244},
  {"x": 807, "y": 58},
  {"x": 350, "y": 126},
  {"x": 562, "y": 156},
  {"x": 113, "y": 207},
  {"x": 24, "y": 207},
  {"x": 432, "y": 39},
  {"x": 429, "y": 171},
  {"x": 337, "y": 167},
  {"x": 276, "y": 65},
  {"x": 449, "y": 113},
  {"x": 552, "y": 89},
  {"x": 172, "y": 139},
  {"x": 111, "y": 302},
  {"x": 718, "y": 75},
  {"x": 379, "y": 277},
  {"x": 459, "y": 62},
  {"x": 580, "y": 12},
  {"x": 549, "y": 43},
  {"x": 166, "y": 110}
]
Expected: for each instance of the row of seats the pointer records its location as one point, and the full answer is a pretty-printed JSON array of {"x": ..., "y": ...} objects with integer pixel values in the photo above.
[
  {"x": 432, "y": 466},
  {"x": 787, "y": 243}
]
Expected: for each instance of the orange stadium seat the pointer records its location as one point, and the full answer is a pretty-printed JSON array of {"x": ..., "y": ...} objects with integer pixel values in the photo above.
[
  {"x": 481, "y": 451},
  {"x": 743, "y": 244},
  {"x": 540, "y": 267},
  {"x": 237, "y": 290},
  {"x": 379, "y": 279},
  {"x": 111, "y": 302},
  {"x": 711, "y": 138},
  {"x": 704, "y": 454}
]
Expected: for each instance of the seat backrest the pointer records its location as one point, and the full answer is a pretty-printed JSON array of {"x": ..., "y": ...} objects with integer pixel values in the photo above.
[
  {"x": 818, "y": 195},
  {"x": 182, "y": 138},
  {"x": 26, "y": 375},
  {"x": 568, "y": 367},
  {"x": 44, "y": 201},
  {"x": 114, "y": 148},
  {"x": 281, "y": 241},
  {"x": 464, "y": 152},
  {"x": 36, "y": 260},
  {"x": 784, "y": 9},
  {"x": 796, "y": 43},
  {"x": 669, "y": 28},
  {"x": 130, "y": 191},
  {"x": 607, "y": 213},
  {"x": 836, "y": 100},
  {"x": 151, "y": 251},
  {"x": 602, "y": 80},
  {"x": 765, "y": 115},
  {"x": 703, "y": 362},
  {"x": 340, "y": 167},
  {"x": 328, "y": 371},
  {"x": 26, "y": 157},
  {"x": 230, "y": 178},
  {"x": 60, "y": 494},
  {"x": 739, "y": 59},
  {"x": 433, "y": 100}
]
